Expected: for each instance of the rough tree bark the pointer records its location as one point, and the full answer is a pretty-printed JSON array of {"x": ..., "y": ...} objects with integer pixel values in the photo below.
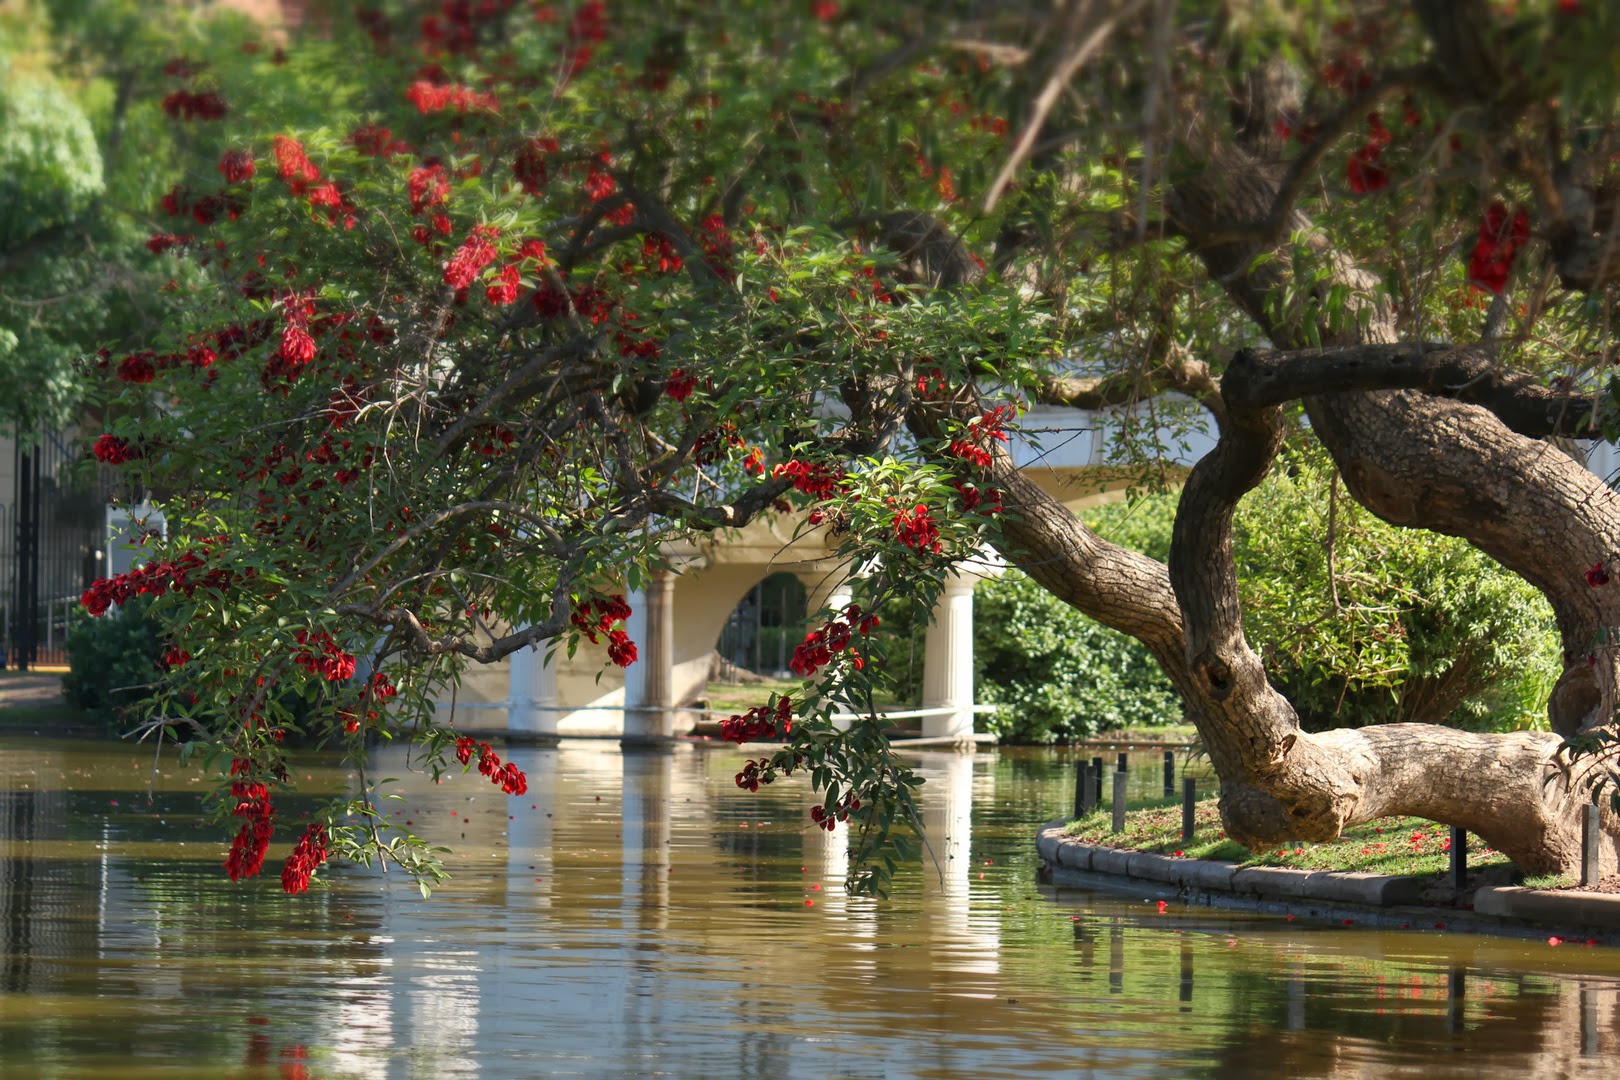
[{"x": 1426, "y": 437}]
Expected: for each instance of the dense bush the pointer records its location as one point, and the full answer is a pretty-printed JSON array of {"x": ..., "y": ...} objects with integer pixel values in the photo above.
[
  {"x": 1407, "y": 626},
  {"x": 1056, "y": 675},
  {"x": 112, "y": 660}
]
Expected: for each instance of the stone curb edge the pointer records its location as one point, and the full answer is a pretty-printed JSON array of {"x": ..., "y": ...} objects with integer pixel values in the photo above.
[{"x": 1563, "y": 908}]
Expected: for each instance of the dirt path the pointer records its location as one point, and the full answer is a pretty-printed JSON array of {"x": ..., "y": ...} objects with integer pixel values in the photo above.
[{"x": 30, "y": 689}]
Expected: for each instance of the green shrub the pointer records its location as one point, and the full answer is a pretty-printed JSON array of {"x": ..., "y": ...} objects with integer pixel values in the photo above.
[
  {"x": 1055, "y": 674},
  {"x": 1409, "y": 625},
  {"x": 112, "y": 659}
]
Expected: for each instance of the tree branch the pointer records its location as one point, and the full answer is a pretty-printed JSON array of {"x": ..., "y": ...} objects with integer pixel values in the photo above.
[{"x": 1469, "y": 374}]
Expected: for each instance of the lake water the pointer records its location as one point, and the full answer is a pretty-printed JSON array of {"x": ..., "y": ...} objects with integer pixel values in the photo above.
[{"x": 636, "y": 915}]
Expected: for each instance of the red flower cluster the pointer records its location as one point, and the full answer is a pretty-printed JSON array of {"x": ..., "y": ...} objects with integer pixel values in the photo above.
[
  {"x": 153, "y": 578},
  {"x": 974, "y": 500},
  {"x": 509, "y": 778},
  {"x": 915, "y": 529},
  {"x": 115, "y": 451},
  {"x": 297, "y": 348},
  {"x": 137, "y": 368},
  {"x": 184, "y": 105},
  {"x": 818, "y": 647},
  {"x": 755, "y": 773},
  {"x": 429, "y": 98},
  {"x": 609, "y": 609},
  {"x": 621, "y": 650},
  {"x": 293, "y": 164},
  {"x": 1499, "y": 240},
  {"x": 504, "y": 290},
  {"x": 828, "y": 818},
  {"x": 322, "y": 656},
  {"x": 1598, "y": 576},
  {"x": 760, "y": 722},
  {"x": 309, "y": 853},
  {"x": 492, "y": 440},
  {"x": 974, "y": 444},
  {"x": 475, "y": 253},
  {"x": 680, "y": 384},
  {"x": 236, "y": 166},
  {"x": 657, "y": 250},
  {"x": 931, "y": 382},
  {"x": 427, "y": 186},
  {"x": 158, "y": 243},
  {"x": 374, "y": 140},
  {"x": 599, "y": 184},
  {"x": 816, "y": 481},
  {"x": 1363, "y": 171},
  {"x": 174, "y": 657},
  {"x": 253, "y": 806}
]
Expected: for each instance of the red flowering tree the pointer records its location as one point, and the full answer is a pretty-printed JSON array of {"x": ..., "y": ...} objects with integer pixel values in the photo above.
[{"x": 527, "y": 290}]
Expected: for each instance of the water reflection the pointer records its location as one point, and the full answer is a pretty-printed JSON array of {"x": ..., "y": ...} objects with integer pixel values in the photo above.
[{"x": 636, "y": 914}]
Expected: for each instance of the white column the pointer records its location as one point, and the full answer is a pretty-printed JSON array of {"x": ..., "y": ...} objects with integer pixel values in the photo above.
[
  {"x": 649, "y": 683},
  {"x": 948, "y": 660},
  {"x": 531, "y": 685}
]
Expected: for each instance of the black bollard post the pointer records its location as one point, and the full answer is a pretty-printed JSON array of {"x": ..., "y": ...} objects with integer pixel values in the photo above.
[
  {"x": 1189, "y": 801},
  {"x": 1123, "y": 759},
  {"x": 1082, "y": 806},
  {"x": 1169, "y": 774},
  {"x": 1119, "y": 802},
  {"x": 1459, "y": 858},
  {"x": 1590, "y": 834}
]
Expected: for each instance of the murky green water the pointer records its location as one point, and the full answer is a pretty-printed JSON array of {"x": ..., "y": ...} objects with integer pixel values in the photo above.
[{"x": 637, "y": 915}]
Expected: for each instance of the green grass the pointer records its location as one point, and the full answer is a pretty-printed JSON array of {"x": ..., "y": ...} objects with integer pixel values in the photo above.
[
  {"x": 1158, "y": 733},
  {"x": 1401, "y": 846}
]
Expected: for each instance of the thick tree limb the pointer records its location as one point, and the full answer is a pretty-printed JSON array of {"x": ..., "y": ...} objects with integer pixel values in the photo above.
[{"x": 1469, "y": 374}]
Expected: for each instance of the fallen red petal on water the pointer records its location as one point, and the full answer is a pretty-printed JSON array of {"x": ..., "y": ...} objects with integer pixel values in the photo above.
[
  {"x": 815, "y": 888},
  {"x": 1555, "y": 941},
  {"x": 1349, "y": 922},
  {"x": 809, "y": 903},
  {"x": 1290, "y": 916},
  {"x": 1591, "y": 941},
  {"x": 1230, "y": 944},
  {"x": 1439, "y": 926}
]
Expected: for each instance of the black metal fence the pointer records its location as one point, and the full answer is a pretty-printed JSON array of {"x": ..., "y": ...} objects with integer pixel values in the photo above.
[
  {"x": 766, "y": 625},
  {"x": 52, "y": 535}
]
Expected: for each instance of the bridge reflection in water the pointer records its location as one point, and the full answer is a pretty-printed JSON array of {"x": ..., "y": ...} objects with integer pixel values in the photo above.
[{"x": 636, "y": 914}]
